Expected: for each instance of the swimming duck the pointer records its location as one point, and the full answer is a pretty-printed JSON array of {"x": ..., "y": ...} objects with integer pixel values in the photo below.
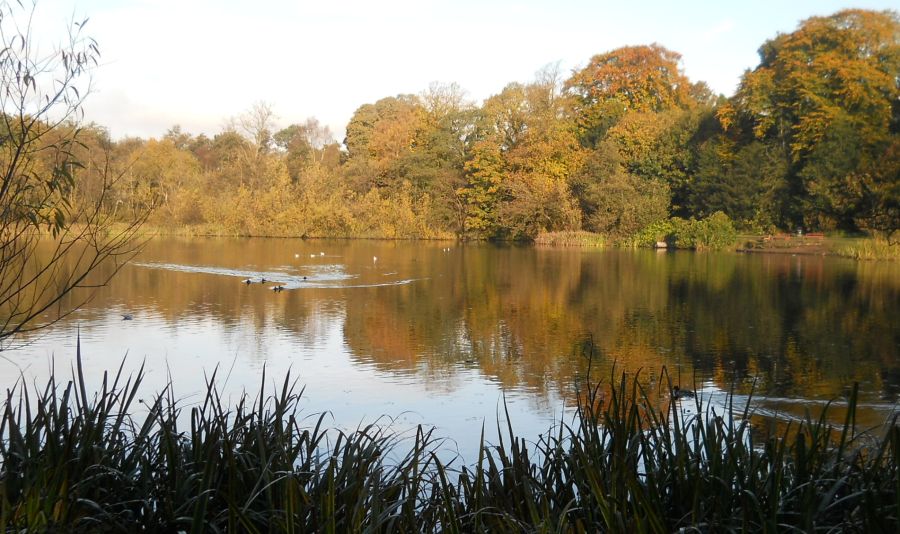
[
  {"x": 278, "y": 288},
  {"x": 127, "y": 317},
  {"x": 678, "y": 393},
  {"x": 248, "y": 281}
]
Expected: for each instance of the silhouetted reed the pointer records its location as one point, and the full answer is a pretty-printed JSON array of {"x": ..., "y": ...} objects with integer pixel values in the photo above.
[{"x": 76, "y": 460}]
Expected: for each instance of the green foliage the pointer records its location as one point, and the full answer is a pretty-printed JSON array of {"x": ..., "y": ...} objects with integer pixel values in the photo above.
[
  {"x": 482, "y": 193},
  {"x": 824, "y": 96},
  {"x": 742, "y": 182},
  {"x": 663, "y": 230},
  {"x": 715, "y": 232}
]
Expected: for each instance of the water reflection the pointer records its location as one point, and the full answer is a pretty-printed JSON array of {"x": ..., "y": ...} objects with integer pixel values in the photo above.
[{"x": 442, "y": 332}]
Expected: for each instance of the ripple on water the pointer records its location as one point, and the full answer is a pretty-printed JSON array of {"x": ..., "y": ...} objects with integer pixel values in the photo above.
[{"x": 328, "y": 276}]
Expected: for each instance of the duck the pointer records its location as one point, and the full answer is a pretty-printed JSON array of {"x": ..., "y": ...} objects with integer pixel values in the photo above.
[
  {"x": 278, "y": 288},
  {"x": 247, "y": 281},
  {"x": 262, "y": 280},
  {"x": 678, "y": 393},
  {"x": 127, "y": 317}
]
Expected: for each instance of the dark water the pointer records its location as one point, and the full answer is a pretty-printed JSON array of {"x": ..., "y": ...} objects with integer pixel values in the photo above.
[{"x": 423, "y": 333}]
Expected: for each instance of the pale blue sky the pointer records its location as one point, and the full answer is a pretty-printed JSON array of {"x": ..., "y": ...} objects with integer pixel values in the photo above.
[{"x": 199, "y": 62}]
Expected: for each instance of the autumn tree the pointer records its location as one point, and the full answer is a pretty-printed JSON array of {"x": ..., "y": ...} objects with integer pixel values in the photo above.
[
  {"x": 613, "y": 201},
  {"x": 529, "y": 150},
  {"x": 640, "y": 79},
  {"x": 826, "y": 96},
  {"x": 168, "y": 177},
  {"x": 379, "y": 138},
  {"x": 436, "y": 164},
  {"x": 304, "y": 145},
  {"x": 51, "y": 243},
  {"x": 637, "y": 114},
  {"x": 258, "y": 124}
]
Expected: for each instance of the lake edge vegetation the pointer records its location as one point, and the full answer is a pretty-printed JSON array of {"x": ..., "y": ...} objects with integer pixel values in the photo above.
[
  {"x": 113, "y": 461},
  {"x": 60, "y": 239},
  {"x": 623, "y": 147}
]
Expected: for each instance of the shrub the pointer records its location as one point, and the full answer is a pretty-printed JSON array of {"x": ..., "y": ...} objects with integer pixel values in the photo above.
[
  {"x": 715, "y": 232},
  {"x": 661, "y": 230}
]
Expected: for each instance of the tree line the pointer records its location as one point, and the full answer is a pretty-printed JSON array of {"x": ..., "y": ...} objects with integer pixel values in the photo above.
[{"x": 810, "y": 139}]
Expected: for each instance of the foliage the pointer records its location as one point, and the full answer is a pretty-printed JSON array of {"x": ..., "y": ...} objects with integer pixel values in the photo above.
[
  {"x": 826, "y": 95},
  {"x": 56, "y": 197},
  {"x": 629, "y": 79},
  {"x": 655, "y": 232},
  {"x": 715, "y": 232},
  {"x": 83, "y": 462},
  {"x": 522, "y": 159},
  {"x": 810, "y": 140},
  {"x": 482, "y": 193}
]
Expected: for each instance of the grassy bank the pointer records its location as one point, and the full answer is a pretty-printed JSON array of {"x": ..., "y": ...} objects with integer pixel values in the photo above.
[
  {"x": 79, "y": 461},
  {"x": 869, "y": 249}
]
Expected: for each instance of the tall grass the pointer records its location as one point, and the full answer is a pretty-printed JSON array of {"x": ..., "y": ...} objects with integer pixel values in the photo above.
[
  {"x": 571, "y": 239},
  {"x": 77, "y": 461},
  {"x": 877, "y": 248}
]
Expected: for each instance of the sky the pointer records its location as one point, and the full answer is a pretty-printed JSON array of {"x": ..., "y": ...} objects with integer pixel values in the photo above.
[{"x": 197, "y": 63}]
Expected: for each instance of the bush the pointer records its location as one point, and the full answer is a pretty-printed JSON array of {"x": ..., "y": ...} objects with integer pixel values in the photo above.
[
  {"x": 662, "y": 230},
  {"x": 715, "y": 232}
]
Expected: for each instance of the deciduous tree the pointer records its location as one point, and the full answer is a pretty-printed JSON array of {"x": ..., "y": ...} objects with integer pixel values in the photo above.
[{"x": 50, "y": 246}]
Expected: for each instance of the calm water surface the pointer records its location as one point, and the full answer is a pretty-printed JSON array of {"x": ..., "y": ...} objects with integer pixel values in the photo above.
[{"x": 423, "y": 333}]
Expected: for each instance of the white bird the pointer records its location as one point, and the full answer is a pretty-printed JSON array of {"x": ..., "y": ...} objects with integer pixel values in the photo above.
[
  {"x": 321, "y": 253},
  {"x": 296, "y": 255},
  {"x": 374, "y": 259},
  {"x": 312, "y": 255}
]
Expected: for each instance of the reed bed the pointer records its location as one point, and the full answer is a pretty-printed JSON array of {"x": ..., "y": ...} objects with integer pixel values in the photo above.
[
  {"x": 877, "y": 248},
  {"x": 571, "y": 239},
  {"x": 78, "y": 461}
]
